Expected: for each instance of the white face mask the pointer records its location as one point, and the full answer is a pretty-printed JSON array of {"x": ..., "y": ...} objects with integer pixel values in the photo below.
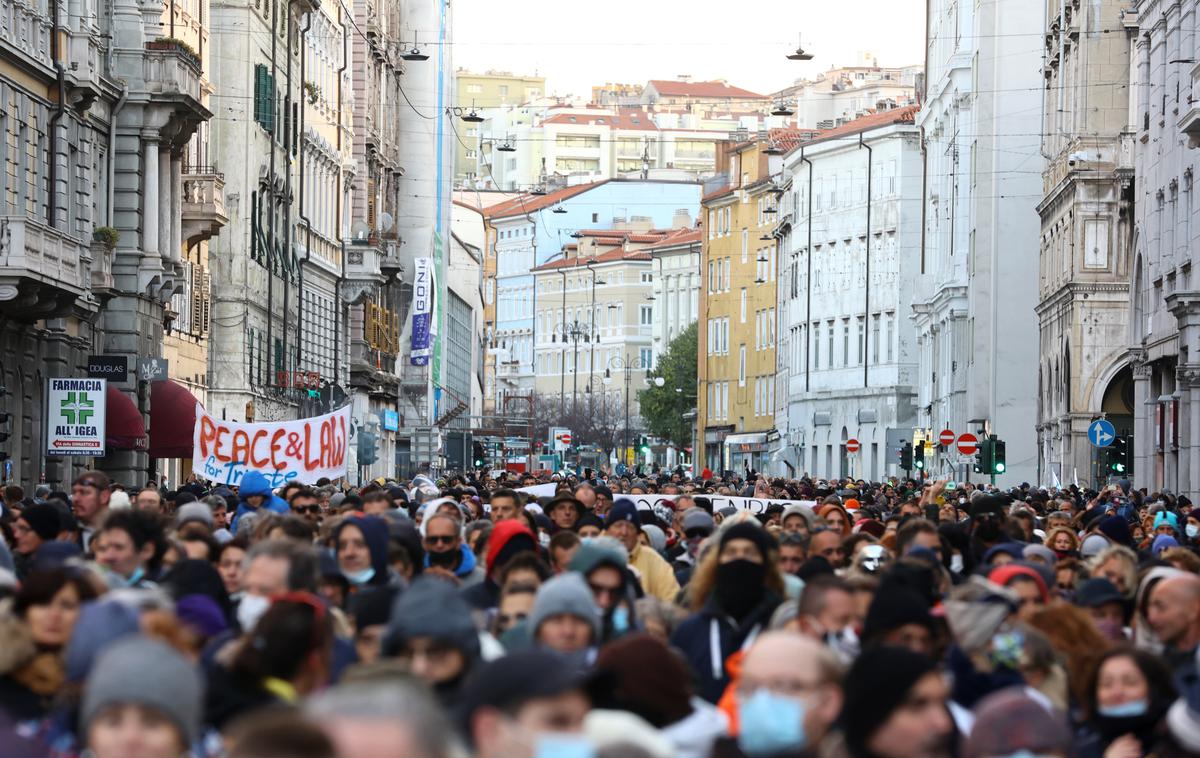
[
  {"x": 250, "y": 610},
  {"x": 956, "y": 563}
]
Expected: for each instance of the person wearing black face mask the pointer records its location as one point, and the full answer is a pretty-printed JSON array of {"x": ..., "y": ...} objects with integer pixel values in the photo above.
[
  {"x": 446, "y": 553},
  {"x": 733, "y": 592},
  {"x": 988, "y": 516}
]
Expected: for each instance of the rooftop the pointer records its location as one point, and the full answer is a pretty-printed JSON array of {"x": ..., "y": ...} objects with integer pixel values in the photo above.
[
  {"x": 905, "y": 115},
  {"x": 716, "y": 89},
  {"x": 623, "y": 121}
]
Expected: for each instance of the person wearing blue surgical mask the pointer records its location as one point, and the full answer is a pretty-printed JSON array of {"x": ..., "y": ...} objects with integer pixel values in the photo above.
[
  {"x": 1128, "y": 698},
  {"x": 788, "y": 696},
  {"x": 361, "y": 544}
]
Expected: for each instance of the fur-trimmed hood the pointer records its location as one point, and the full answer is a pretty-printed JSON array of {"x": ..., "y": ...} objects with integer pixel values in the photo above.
[{"x": 18, "y": 648}]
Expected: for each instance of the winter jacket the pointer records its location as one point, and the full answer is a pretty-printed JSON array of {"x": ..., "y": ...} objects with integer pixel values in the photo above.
[
  {"x": 375, "y": 533},
  {"x": 29, "y": 680},
  {"x": 658, "y": 578},
  {"x": 468, "y": 572},
  {"x": 254, "y": 483},
  {"x": 693, "y": 637},
  {"x": 485, "y": 595}
]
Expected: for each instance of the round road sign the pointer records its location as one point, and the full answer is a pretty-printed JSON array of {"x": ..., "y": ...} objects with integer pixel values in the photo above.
[
  {"x": 946, "y": 438},
  {"x": 852, "y": 446},
  {"x": 565, "y": 439},
  {"x": 968, "y": 444}
]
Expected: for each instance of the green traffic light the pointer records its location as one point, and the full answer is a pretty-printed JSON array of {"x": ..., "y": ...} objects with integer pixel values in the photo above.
[{"x": 1000, "y": 468}]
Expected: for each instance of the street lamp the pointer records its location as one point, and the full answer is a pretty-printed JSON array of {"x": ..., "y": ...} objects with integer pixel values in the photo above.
[
  {"x": 575, "y": 332},
  {"x": 629, "y": 365}
]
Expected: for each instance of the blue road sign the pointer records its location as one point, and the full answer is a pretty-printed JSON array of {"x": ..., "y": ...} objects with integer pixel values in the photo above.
[{"x": 1102, "y": 433}]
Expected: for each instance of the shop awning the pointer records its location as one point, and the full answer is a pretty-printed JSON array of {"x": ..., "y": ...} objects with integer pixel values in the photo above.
[
  {"x": 172, "y": 420},
  {"x": 124, "y": 428}
]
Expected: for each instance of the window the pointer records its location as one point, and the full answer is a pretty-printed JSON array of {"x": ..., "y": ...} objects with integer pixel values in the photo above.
[
  {"x": 743, "y": 305},
  {"x": 645, "y": 315},
  {"x": 875, "y": 338},
  {"x": 891, "y": 325},
  {"x": 645, "y": 357},
  {"x": 816, "y": 345},
  {"x": 503, "y": 90},
  {"x": 712, "y": 283},
  {"x": 861, "y": 336},
  {"x": 264, "y": 98},
  {"x": 474, "y": 89},
  {"x": 741, "y": 365},
  {"x": 728, "y": 274},
  {"x": 745, "y": 245},
  {"x": 647, "y": 277}
]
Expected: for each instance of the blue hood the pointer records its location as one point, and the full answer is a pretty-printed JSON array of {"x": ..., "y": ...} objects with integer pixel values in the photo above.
[
  {"x": 466, "y": 566},
  {"x": 254, "y": 483},
  {"x": 375, "y": 534}
]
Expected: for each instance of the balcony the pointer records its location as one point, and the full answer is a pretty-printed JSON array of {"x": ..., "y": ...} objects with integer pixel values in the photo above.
[
  {"x": 363, "y": 272},
  {"x": 103, "y": 284},
  {"x": 25, "y": 29},
  {"x": 42, "y": 270},
  {"x": 203, "y": 212}
]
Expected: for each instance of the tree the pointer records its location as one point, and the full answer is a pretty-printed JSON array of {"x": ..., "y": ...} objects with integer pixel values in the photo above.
[
  {"x": 664, "y": 408},
  {"x": 592, "y": 420}
]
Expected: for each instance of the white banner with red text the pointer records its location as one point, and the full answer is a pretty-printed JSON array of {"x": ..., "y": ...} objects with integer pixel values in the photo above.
[{"x": 303, "y": 451}]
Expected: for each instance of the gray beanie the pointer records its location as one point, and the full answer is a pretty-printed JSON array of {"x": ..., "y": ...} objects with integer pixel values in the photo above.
[
  {"x": 658, "y": 538},
  {"x": 432, "y": 607},
  {"x": 164, "y": 680},
  {"x": 565, "y": 594},
  {"x": 194, "y": 512}
]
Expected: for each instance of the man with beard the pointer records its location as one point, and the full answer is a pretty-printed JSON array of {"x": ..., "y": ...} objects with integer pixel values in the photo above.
[{"x": 446, "y": 553}]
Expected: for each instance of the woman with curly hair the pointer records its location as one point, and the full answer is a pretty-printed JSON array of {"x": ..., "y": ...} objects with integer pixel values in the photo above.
[
  {"x": 1063, "y": 541},
  {"x": 733, "y": 593}
]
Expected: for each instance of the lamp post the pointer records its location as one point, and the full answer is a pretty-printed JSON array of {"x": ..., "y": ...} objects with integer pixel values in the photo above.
[
  {"x": 628, "y": 365},
  {"x": 575, "y": 332}
]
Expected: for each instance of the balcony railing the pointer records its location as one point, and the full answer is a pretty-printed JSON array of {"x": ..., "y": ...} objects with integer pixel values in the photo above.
[
  {"x": 171, "y": 72},
  {"x": 203, "y": 212},
  {"x": 25, "y": 28},
  {"x": 42, "y": 270}
]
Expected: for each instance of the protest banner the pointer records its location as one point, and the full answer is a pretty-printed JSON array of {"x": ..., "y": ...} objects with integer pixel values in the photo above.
[
  {"x": 752, "y": 504},
  {"x": 283, "y": 451}
]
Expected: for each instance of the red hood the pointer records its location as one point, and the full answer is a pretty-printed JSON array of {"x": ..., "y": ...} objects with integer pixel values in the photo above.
[{"x": 502, "y": 534}]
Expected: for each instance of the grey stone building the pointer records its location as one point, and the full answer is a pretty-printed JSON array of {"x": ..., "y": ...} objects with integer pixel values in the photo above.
[
  {"x": 1164, "y": 334},
  {"x": 1087, "y": 233},
  {"x": 96, "y": 114}
]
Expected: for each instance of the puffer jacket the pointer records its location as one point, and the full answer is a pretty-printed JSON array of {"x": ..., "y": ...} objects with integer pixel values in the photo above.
[{"x": 254, "y": 483}]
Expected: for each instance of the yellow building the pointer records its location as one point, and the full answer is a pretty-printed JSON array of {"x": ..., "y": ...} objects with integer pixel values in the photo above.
[
  {"x": 491, "y": 89},
  {"x": 736, "y": 371}
]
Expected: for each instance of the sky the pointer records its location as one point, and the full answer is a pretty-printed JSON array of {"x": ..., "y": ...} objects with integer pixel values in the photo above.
[{"x": 576, "y": 44}]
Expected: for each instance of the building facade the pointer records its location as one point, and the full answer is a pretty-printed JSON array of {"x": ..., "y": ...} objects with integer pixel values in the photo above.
[
  {"x": 676, "y": 275},
  {"x": 847, "y": 347},
  {"x": 479, "y": 92},
  {"x": 1165, "y": 320},
  {"x": 737, "y": 313},
  {"x": 1087, "y": 220},
  {"x": 982, "y": 172}
]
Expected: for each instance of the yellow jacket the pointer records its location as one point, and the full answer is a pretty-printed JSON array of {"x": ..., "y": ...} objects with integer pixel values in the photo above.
[{"x": 658, "y": 578}]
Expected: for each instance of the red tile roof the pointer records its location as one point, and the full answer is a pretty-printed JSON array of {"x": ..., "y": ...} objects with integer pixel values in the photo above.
[
  {"x": 624, "y": 121},
  {"x": 611, "y": 256},
  {"x": 667, "y": 88},
  {"x": 531, "y": 203},
  {"x": 677, "y": 238},
  {"x": 905, "y": 115},
  {"x": 786, "y": 139}
]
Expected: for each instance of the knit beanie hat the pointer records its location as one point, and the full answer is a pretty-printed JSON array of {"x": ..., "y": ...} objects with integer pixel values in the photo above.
[
  {"x": 1010, "y": 722},
  {"x": 43, "y": 520},
  {"x": 565, "y": 594},
  {"x": 890, "y": 610},
  {"x": 1163, "y": 542},
  {"x": 644, "y": 677},
  {"x": 594, "y": 553},
  {"x": 875, "y": 686},
  {"x": 750, "y": 530},
  {"x": 623, "y": 510},
  {"x": 100, "y": 623},
  {"x": 432, "y": 607},
  {"x": 1117, "y": 530},
  {"x": 658, "y": 538},
  {"x": 144, "y": 671},
  {"x": 198, "y": 512}
]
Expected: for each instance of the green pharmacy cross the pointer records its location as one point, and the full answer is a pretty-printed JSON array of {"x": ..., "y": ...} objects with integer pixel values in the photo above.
[{"x": 77, "y": 408}]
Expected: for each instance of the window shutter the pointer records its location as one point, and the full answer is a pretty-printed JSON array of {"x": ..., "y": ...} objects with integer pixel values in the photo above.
[
  {"x": 206, "y": 303},
  {"x": 196, "y": 292}
]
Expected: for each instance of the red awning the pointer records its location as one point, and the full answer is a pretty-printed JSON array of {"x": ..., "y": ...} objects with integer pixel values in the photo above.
[
  {"x": 124, "y": 428},
  {"x": 172, "y": 420}
]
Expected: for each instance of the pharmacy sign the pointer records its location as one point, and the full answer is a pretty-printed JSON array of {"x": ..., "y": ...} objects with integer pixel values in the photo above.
[{"x": 75, "y": 416}]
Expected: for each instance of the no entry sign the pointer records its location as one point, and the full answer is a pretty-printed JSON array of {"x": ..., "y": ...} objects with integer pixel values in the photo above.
[
  {"x": 852, "y": 446},
  {"x": 946, "y": 438},
  {"x": 968, "y": 444}
]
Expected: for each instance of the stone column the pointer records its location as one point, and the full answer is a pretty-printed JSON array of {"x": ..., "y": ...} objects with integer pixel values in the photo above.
[
  {"x": 1143, "y": 424},
  {"x": 176, "y": 208},
  {"x": 165, "y": 187},
  {"x": 150, "y": 196}
]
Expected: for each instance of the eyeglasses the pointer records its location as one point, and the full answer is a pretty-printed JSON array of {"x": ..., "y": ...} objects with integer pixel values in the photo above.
[
  {"x": 440, "y": 539},
  {"x": 314, "y": 508},
  {"x": 505, "y": 620},
  {"x": 692, "y": 534},
  {"x": 600, "y": 589}
]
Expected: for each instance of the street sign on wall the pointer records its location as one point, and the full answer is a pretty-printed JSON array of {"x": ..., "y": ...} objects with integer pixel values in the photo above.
[
  {"x": 152, "y": 369},
  {"x": 75, "y": 416},
  {"x": 114, "y": 368}
]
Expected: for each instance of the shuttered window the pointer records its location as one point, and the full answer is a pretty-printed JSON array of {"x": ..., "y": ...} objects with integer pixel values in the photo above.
[{"x": 264, "y": 98}]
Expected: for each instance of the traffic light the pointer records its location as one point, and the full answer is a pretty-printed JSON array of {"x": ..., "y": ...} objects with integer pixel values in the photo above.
[
  {"x": 368, "y": 448},
  {"x": 998, "y": 464},
  {"x": 1118, "y": 456},
  {"x": 984, "y": 457},
  {"x": 644, "y": 444},
  {"x": 918, "y": 456},
  {"x": 906, "y": 456},
  {"x": 478, "y": 454}
]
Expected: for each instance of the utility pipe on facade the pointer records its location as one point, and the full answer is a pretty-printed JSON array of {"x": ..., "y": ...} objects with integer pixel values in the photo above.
[
  {"x": 810, "y": 338},
  {"x": 867, "y": 278},
  {"x": 303, "y": 213},
  {"x": 271, "y": 201}
]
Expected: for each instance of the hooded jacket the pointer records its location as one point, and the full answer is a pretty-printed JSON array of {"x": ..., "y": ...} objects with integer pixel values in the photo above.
[
  {"x": 375, "y": 534},
  {"x": 468, "y": 572},
  {"x": 432, "y": 608},
  {"x": 694, "y": 638},
  {"x": 254, "y": 483},
  {"x": 485, "y": 595}
]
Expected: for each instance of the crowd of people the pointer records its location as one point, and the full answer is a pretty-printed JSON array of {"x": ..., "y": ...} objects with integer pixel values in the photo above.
[{"x": 599, "y": 616}]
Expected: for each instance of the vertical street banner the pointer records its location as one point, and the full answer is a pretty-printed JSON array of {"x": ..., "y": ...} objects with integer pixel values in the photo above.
[
  {"x": 422, "y": 312},
  {"x": 301, "y": 451},
  {"x": 76, "y": 416}
]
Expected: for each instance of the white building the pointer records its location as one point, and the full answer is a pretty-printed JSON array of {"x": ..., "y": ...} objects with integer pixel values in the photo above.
[
  {"x": 847, "y": 355},
  {"x": 845, "y": 93},
  {"x": 1165, "y": 325},
  {"x": 975, "y": 306},
  {"x": 676, "y": 272}
]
